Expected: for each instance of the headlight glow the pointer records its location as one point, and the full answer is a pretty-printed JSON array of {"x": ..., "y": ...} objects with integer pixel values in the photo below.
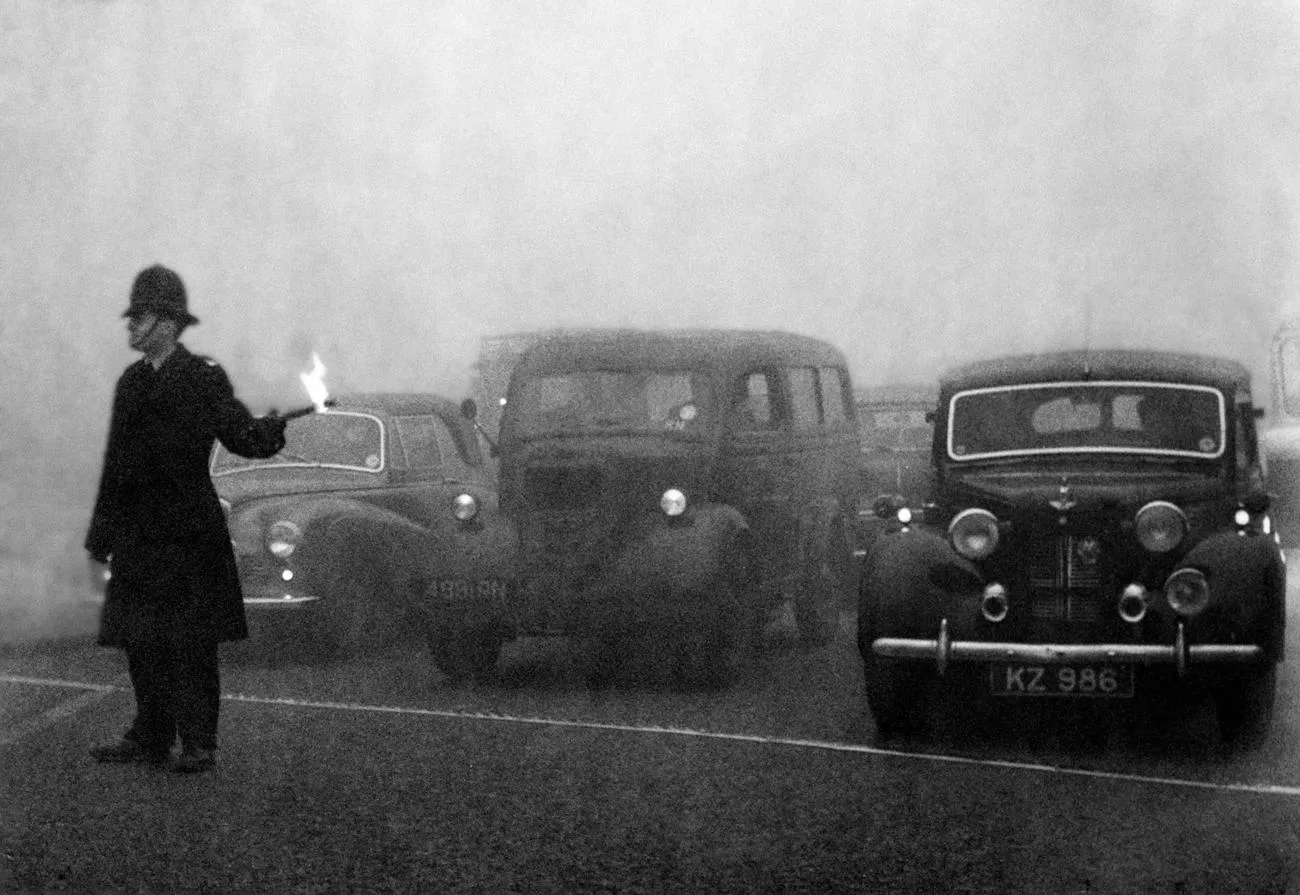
[
  {"x": 904, "y": 515},
  {"x": 282, "y": 538},
  {"x": 1188, "y": 592},
  {"x": 1160, "y": 526},
  {"x": 974, "y": 533},
  {"x": 673, "y": 502},
  {"x": 1241, "y": 517},
  {"x": 464, "y": 507}
]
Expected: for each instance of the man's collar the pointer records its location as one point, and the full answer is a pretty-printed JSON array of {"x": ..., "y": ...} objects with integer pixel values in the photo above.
[{"x": 175, "y": 349}]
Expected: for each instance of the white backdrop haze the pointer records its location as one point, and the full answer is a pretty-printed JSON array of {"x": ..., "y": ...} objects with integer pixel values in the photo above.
[{"x": 921, "y": 181}]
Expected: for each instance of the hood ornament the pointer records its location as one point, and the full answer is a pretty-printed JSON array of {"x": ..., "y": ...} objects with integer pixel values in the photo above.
[{"x": 1065, "y": 501}]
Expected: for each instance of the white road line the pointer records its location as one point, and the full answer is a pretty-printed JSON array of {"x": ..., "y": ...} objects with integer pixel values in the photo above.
[
  {"x": 101, "y": 690},
  {"x": 51, "y": 715}
]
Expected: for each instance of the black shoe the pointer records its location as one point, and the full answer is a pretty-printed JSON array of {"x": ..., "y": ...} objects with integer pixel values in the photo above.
[
  {"x": 194, "y": 761},
  {"x": 128, "y": 751}
]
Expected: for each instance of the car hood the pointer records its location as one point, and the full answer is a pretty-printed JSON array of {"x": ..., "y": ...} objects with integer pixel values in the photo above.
[
  {"x": 269, "y": 482},
  {"x": 1082, "y": 488}
]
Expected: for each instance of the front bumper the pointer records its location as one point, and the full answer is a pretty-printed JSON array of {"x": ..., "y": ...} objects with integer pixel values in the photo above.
[
  {"x": 272, "y": 597},
  {"x": 1180, "y": 654}
]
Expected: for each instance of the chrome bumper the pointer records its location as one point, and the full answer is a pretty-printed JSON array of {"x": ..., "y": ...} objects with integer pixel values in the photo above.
[
  {"x": 285, "y": 600},
  {"x": 1180, "y": 654}
]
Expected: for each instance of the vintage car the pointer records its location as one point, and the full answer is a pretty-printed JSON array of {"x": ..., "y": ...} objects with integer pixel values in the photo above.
[
  {"x": 1098, "y": 529},
  {"x": 371, "y": 507},
  {"x": 675, "y": 487},
  {"x": 897, "y": 435}
]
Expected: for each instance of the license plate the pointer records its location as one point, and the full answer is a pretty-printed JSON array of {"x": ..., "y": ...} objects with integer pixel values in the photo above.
[{"x": 1103, "y": 681}]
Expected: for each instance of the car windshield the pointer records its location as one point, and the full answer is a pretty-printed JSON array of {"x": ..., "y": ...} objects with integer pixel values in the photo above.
[
  {"x": 604, "y": 400},
  {"x": 1087, "y": 417},
  {"x": 894, "y": 427},
  {"x": 336, "y": 439}
]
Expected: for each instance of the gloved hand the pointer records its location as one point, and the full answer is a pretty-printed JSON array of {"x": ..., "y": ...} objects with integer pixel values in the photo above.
[{"x": 270, "y": 431}]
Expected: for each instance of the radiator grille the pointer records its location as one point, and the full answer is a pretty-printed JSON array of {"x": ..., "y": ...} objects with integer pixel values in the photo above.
[{"x": 1065, "y": 579}]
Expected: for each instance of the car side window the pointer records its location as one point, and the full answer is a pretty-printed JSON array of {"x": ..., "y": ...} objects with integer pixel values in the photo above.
[
  {"x": 420, "y": 436},
  {"x": 804, "y": 405},
  {"x": 752, "y": 405}
]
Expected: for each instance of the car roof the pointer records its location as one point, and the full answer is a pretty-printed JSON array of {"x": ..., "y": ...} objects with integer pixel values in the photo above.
[
  {"x": 717, "y": 349},
  {"x": 398, "y": 403},
  {"x": 1071, "y": 366}
]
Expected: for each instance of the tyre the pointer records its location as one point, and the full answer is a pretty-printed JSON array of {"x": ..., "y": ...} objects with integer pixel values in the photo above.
[
  {"x": 713, "y": 654},
  {"x": 895, "y": 696},
  {"x": 1244, "y": 704}
]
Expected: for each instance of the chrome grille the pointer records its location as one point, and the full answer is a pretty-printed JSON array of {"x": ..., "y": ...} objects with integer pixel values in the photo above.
[{"x": 1065, "y": 577}]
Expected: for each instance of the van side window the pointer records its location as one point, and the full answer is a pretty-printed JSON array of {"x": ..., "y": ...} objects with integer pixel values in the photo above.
[
  {"x": 835, "y": 409},
  {"x": 804, "y": 405},
  {"x": 752, "y": 404}
]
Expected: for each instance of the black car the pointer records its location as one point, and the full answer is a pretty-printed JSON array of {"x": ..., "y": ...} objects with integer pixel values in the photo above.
[
  {"x": 676, "y": 487},
  {"x": 897, "y": 432},
  {"x": 1098, "y": 529},
  {"x": 344, "y": 538}
]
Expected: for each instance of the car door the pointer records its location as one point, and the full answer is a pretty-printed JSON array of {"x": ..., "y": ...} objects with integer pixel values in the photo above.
[{"x": 758, "y": 465}]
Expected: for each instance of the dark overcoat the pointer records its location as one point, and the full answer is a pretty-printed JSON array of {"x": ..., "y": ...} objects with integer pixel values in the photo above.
[{"x": 157, "y": 513}]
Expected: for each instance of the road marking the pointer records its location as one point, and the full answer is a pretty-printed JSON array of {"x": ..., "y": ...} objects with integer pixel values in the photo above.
[
  {"x": 51, "y": 715},
  {"x": 100, "y": 690}
]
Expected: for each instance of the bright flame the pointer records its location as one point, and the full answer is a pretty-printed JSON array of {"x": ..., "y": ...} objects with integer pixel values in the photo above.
[{"x": 314, "y": 382}]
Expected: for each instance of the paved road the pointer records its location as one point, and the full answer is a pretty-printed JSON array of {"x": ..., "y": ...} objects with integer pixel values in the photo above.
[{"x": 378, "y": 775}]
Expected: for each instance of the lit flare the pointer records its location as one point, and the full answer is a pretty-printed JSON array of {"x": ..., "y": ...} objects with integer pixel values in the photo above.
[{"x": 314, "y": 382}]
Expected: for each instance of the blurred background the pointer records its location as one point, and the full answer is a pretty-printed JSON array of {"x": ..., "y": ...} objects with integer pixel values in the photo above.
[{"x": 923, "y": 182}]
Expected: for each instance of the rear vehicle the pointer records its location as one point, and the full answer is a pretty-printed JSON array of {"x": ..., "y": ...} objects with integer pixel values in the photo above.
[
  {"x": 372, "y": 506},
  {"x": 1098, "y": 530},
  {"x": 675, "y": 486},
  {"x": 897, "y": 433}
]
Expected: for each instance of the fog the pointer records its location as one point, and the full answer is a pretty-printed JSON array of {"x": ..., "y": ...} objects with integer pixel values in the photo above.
[{"x": 921, "y": 181}]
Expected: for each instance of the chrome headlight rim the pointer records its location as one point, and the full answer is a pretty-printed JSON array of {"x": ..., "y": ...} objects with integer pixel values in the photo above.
[
  {"x": 1187, "y": 591},
  {"x": 673, "y": 503},
  {"x": 1160, "y": 526},
  {"x": 973, "y": 533},
  {"x": 282, "y": 537},
  {"x": 465, "y": 507}
]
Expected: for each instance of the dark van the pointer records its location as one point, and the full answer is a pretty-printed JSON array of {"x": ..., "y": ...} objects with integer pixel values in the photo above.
[{"x": 676, "y": 486}]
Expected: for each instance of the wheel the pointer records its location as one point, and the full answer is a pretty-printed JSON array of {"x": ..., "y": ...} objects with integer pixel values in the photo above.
[
  {"x": 357, "y": 615},
  {"x": 1245, "y": 706},
  {"x": 465, "y": 654},
  {"x": 895, "y": 696},
  {"x": 713, "y": 654}
]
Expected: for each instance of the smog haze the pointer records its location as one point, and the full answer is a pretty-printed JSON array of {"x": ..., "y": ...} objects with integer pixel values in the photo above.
[{"x": 920, "y": 182}]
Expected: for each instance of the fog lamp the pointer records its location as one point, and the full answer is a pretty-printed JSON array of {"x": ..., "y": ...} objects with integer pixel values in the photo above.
[
  {"x": 974, "y": 533},
  {"x": 1133, "y": 603},
  {"x": 1188, "y": 592},
  {"x": 282, "y": 538},
  {"x": 1160, "y": 526},
  {"x": 994, "y": 605},
  {"x": 464, "y": 507},
  {"x": 673, "y": 502}
]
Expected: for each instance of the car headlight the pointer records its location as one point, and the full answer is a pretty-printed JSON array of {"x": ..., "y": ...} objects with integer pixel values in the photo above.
[
  {"x": 282, "y": 538},
  {"x": 464, "y": 507},
  {"x": 1188, "y": 592},
  {"x": 1160, "y": 526},
  {"x": 673, "y": 502},
  {"x": 974, "y": 533}
]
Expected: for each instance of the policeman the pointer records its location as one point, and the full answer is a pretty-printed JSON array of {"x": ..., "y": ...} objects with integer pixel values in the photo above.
[{"x": 174, "y": 592}]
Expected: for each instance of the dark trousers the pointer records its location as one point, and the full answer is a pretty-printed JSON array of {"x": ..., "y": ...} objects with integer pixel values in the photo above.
[{"x": 177, "y": 694}]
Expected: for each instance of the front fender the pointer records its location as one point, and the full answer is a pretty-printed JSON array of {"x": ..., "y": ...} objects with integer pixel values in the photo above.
[
  {"x": 914, "y": 580},
  {"x": 1247, "y": 577},
  {"x": 688, "y": 554}
]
